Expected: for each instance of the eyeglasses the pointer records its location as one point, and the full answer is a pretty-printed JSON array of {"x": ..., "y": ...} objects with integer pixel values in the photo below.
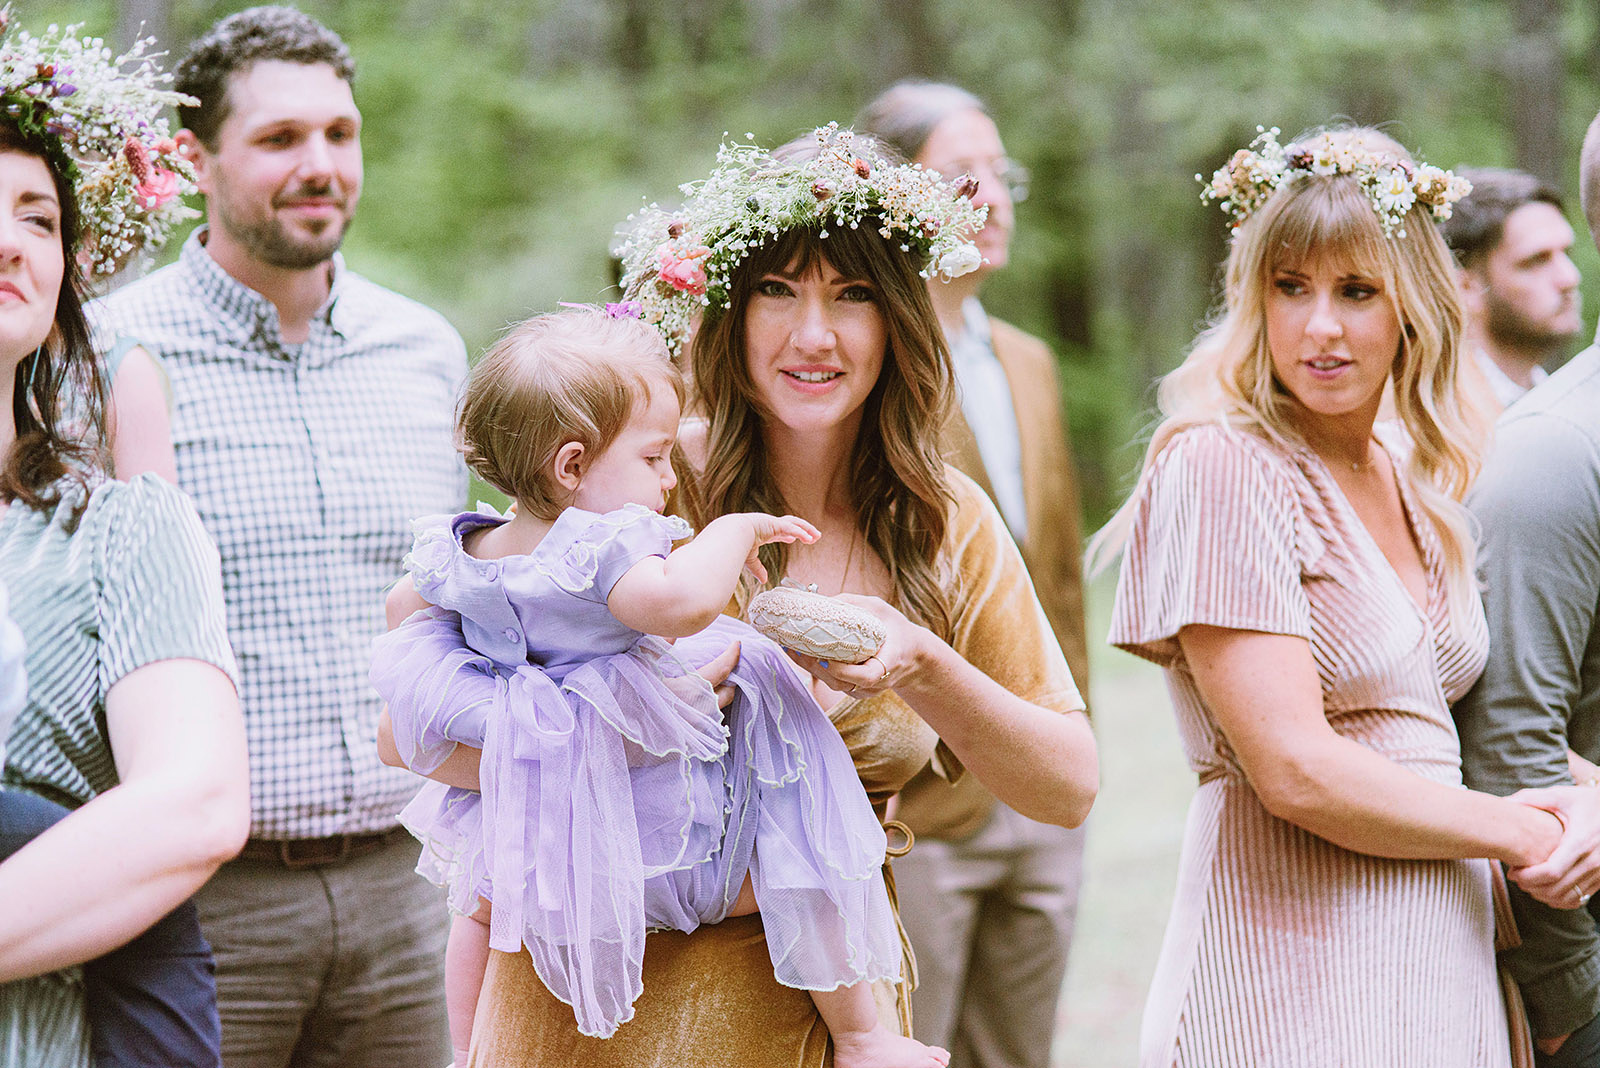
[{"x": 1013, "y": 175}]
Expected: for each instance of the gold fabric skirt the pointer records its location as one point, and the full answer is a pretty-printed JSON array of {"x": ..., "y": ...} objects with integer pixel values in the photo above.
[{"x": 709, "y": 1001}]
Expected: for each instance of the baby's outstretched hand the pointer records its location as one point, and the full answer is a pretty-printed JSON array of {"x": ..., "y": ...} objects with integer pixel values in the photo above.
[{"x": 771, "y": 528}]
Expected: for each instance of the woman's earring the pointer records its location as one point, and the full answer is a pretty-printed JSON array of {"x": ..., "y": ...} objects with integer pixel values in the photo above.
[{"x": 33, "y": 371}]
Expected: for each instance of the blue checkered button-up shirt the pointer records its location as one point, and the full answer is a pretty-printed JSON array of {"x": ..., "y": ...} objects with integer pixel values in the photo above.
[{"x": 307, "y": 463}]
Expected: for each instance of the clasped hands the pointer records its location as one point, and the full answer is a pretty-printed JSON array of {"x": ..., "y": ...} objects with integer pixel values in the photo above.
[{"x": 1571, "y": 873}]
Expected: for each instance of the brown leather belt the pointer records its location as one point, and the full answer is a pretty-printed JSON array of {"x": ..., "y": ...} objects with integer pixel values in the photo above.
[{"x": 317, "y": 852}]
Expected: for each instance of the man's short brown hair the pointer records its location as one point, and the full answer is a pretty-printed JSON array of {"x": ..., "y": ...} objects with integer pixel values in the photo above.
[{"x": 240, "y": 40}]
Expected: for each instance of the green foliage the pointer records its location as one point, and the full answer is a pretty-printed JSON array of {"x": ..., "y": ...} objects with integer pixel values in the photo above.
[{"x": 505, "y": 139}]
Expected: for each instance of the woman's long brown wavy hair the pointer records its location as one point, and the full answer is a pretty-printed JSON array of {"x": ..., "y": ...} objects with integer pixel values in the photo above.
[
  {"x": 899, "y": 489},
  {"x": 52, "y": 442}
]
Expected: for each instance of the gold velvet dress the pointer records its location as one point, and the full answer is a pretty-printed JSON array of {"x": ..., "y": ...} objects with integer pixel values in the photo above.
[{"x": 710, "y": 998}]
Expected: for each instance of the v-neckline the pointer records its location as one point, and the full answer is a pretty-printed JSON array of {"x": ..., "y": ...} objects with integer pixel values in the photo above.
[{"x": 1424, "y": 609}]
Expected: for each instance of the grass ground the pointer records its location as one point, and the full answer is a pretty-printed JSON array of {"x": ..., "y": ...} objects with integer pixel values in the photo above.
[{"x": 1134, "y": 835}]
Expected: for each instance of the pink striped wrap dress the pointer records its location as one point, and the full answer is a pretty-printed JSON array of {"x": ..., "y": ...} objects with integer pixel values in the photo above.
[{"x": 1284, "y": 949}]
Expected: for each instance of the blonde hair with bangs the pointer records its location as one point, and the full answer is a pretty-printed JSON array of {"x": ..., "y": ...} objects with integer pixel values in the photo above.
[
  {"x": 1227, "y": 377},
  {"x": 573, "y": 375}
]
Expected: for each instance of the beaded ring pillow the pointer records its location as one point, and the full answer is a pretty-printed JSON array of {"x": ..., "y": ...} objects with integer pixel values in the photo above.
[
  {"x": 1392, "y": 183},
  {"x": 678, "y": 263},
  {"x": 819, "y": 626},
  {"x": 100, "y": 115}
]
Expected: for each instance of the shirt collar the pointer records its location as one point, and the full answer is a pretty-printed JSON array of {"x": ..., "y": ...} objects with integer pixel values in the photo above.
[
  {"x": 975, "y": 322},
  {"x": 246, "y": 310}
]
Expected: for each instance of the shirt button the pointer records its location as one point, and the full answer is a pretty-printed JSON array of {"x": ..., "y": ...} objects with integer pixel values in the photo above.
[
  {"x": 513, "y": 635},
  {"x": 491, "y": 572}
]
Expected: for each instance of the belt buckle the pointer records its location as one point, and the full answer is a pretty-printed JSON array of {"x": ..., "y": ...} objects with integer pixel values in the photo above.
[{"x": 313, "y": 852}]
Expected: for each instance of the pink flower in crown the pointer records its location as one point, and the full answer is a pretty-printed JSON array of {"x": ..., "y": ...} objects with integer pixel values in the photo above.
[
  {"x": 684, "y": 271},
  {"x": 138, "y": 158},
  {"x": 158, "y": 189}
]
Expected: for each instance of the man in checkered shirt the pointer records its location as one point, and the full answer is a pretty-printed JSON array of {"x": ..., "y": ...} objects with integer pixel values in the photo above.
[{"x": 312, "y": 421}]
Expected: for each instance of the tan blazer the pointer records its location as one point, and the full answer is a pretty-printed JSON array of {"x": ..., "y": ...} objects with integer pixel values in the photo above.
[{"x": 1054, "y": 553}]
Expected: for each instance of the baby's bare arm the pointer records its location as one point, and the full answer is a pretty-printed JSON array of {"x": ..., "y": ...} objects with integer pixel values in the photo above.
[{"x": 682, "y": 593}]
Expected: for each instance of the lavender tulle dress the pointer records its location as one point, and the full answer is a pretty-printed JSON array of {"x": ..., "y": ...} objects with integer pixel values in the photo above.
[{"x": 617, "y": 798}]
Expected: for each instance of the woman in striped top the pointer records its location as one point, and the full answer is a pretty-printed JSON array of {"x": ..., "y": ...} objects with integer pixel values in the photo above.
[
  {"x": 1305, "y": 577},
  {"x": 131, "y": 722}
]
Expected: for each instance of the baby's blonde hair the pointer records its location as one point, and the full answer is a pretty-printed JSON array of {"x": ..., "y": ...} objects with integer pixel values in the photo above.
[{"x": 573, "y": 375}]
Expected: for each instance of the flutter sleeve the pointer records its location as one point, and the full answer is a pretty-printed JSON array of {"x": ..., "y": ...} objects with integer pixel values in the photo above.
[
  {"x": 1213, "y": 540},
  {"x": 445, "y": 575},
  {"x": 605, "y": 547},
  {"x": 159, "y": 580}
]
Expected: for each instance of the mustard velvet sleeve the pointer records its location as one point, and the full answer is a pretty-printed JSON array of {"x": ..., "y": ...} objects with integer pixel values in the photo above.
[{"x": 998, "y": 625}]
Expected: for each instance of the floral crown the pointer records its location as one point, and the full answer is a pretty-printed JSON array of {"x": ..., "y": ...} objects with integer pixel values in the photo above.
[
  {"x": 100, "y": 117},
  {"x": 1392, "y": 183},
  {"x": 676, "y": 263}
]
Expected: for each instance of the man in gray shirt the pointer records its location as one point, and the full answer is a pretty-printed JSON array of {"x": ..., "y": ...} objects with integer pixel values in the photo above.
[{"x": 1538, "y": 500}]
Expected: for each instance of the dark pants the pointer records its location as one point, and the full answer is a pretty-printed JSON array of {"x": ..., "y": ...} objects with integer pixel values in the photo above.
[
  {"x": 151, "y": 1002},
  {"x": 1580, "y": 1050}
]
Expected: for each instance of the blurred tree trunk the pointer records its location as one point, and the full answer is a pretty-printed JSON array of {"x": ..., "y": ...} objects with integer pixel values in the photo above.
[
  {"x": 923, "y": 51},
  {"x": 1534, "y": 71},
  {"x": 1137, "y": 260},
  {"x": 712, "y": 28},
  {"x": 145, "y": 18},
  {"x": 1366, "y": 95},
  {"x": 632, "y": 46},
  {"x": 765, "y": 34}
]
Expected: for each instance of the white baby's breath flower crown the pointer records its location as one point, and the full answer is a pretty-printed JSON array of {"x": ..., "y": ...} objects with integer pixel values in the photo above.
[
  {"x": 100, "y": 114},
  {"x": 677, "y": 263},
  {"x": 1392, "y": 183}
]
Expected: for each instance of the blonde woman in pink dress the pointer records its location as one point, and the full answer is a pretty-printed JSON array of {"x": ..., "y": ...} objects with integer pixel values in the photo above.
[{"x": 1305, "y": 577}]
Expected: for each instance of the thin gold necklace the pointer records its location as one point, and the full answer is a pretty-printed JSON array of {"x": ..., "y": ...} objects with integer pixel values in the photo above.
[
  {"x": 1357, "y": 466},
  {"x": 844, "y": 576},
  {"x": 849, "y": 557}
]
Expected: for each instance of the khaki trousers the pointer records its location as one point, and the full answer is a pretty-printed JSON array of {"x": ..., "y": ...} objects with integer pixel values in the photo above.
[
  {"x": 341, "y": 965},
  {"x": 990, "y": 920}
]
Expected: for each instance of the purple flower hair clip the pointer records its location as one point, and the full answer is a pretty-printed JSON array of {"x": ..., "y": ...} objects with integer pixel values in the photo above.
[{"x": 626, "y": 309}]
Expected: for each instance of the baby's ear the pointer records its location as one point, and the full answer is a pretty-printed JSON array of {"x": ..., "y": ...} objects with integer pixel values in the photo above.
[{"x": 568, "y": 466}]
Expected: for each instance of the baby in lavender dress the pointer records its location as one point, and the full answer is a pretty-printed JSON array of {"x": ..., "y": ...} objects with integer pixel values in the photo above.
[{"x": 617, "y": 797}]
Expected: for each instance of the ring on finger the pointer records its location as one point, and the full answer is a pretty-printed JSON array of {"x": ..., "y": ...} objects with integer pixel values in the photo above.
[
  {"x": 1583, "y": 896},
  {"x": 884, "y": 674}
]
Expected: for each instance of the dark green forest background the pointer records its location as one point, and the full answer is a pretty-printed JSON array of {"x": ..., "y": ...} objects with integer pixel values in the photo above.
[{"x": 505, "y": 139}]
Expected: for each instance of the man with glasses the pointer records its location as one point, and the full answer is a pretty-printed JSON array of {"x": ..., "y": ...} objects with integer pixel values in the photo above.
[{"x": 987, "y": 895}]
